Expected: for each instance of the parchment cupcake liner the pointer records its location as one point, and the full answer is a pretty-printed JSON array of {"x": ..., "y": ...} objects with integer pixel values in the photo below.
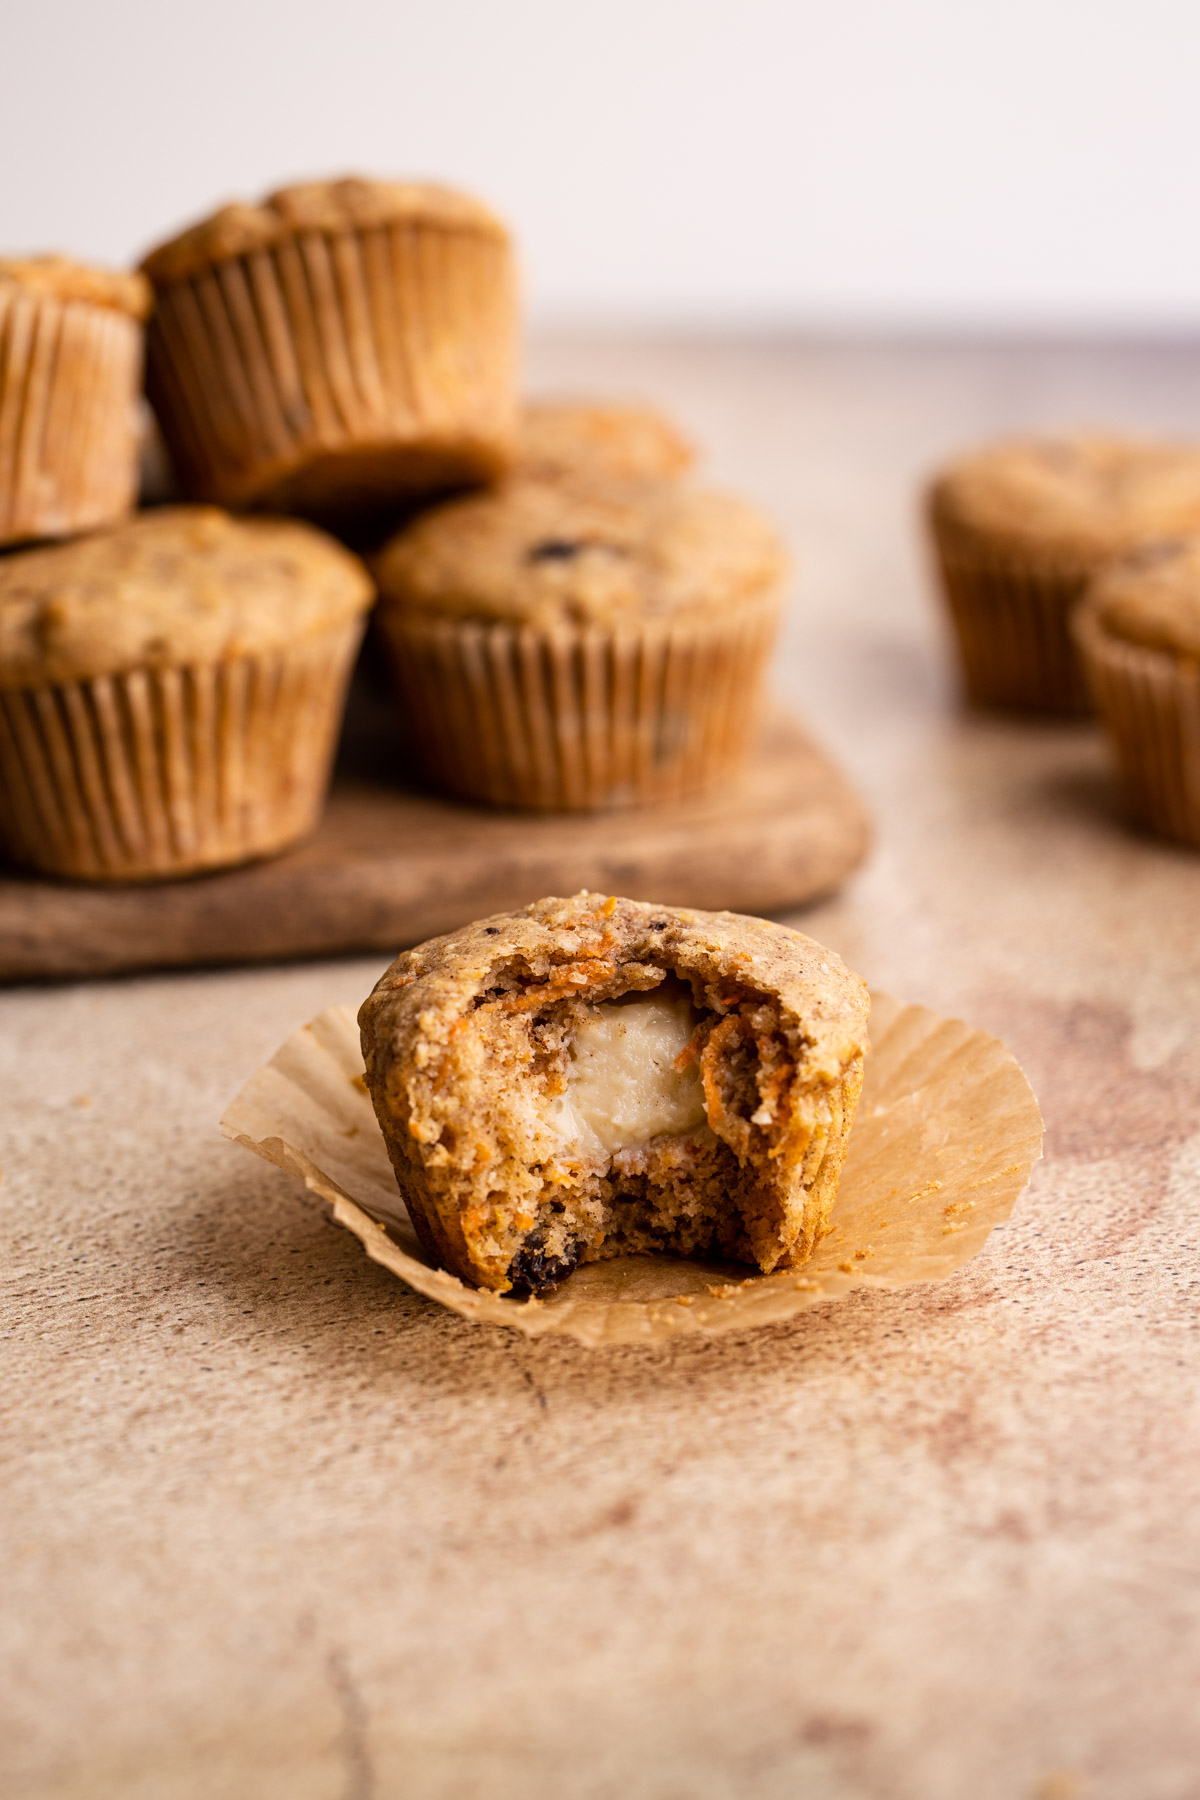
[
  {"x": 1012, "y": 623},
  {"x": 162, "y": 772},
  {"x": 1149, "y": 703},
  {"x": 338, "y": 367},
  {"x": 946, "y": 1136},
  {"x": 70, "y": 380},
  {"x": 579, "y": 718}
]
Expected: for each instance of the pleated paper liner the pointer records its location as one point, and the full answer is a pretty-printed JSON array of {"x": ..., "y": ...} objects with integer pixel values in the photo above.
[
  {"x": 1149, "y": 704},
  {"x": 162, "y": 772},
  {"x": 70, "y": 380},
  {"x": 338, "y": 369},
  {"x": 946, "y": 1135},
  {"x": 1012, "y": 622},
  {"x": 579, "y": 718}
]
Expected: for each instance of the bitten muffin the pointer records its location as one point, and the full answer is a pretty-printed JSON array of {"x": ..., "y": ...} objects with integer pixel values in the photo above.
[
  {"x": 1021, "y": 528},
  {"x": 171, "y": 691},
  {"x": 581, "y": 644},
  {"x": 597, "y": 1077},
  {"x": 626, "y": 442},
  {"x": 1138, "y": 632},
  {"x": 71, "y": 342},
  {"x": 343, "y": 346}
]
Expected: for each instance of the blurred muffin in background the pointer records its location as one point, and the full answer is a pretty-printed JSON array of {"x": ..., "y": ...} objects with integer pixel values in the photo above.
[
  {"x": 626, "y": 441},
  {"x": 1138, "y": 632},
  {"x": 170, "y": 692},
  {"x": 1020, "y": 528},
  {"x": 71, "y": 342},
  {"x": 581, "y": 644},
  {"x": 340, "y": 349}
]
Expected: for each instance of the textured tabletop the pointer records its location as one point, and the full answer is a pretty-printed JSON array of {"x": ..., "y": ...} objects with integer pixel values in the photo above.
[{"x": 275, "y": 1527}]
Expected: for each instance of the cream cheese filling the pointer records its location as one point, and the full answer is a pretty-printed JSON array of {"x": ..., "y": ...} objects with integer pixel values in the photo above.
[{"x": 623, "y": 1087}]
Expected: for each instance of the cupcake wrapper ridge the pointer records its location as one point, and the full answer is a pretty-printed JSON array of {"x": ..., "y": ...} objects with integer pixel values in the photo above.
[
  {"x": 163, "y": 772},
  {"x": 579, "y": 718},
  {"x": 1149, "y": 703},
  {"x": 338, "y": 362},
  {"x": 70, "y": 378}
]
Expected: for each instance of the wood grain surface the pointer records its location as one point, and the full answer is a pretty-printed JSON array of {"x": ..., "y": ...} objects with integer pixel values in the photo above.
[
  {"x": 274, "y": 1527},
  {"x": 389, "y": 866}
]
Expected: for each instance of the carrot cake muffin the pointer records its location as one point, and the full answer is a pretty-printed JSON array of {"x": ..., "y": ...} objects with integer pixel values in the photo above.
[
  {"x": 170, "y": 691},
  {"x": 583, "y": 643},
  {"x": 337, "y": 348},
  {"x": 70, "y": 391},
  {"x": 1138, "y": 632},
  {"x": 597, "y": 1077},
  {"x": 629, "y": 443},
  {"x": 1022, "y": 527}
]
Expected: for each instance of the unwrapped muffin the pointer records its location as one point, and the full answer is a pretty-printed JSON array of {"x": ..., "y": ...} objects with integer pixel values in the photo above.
[
  {"x": 341, "y": 347},
  {"x": 1021, "y": 528},
  {"x": 70, "y": 391},
  {"x": 597, "y": 1077},
  {"x": 627, "y": 442},
  {"x": 1138, "y": 632},
  {"x": 171, "y": 691},
  {"x": 581, "y": 644}
]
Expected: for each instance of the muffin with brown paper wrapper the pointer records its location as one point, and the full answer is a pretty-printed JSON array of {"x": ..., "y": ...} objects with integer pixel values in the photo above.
[
  {"x": 1021, "y": 528},
  {"x": 71, "y": 341},
  {"x": 596, "y": 1077},
  {"x": 1138, "y": 632},
  {"x": 343, "y": 347},
  {"x": 581, "y": 644},
  {"x": 171, "y": 691},
  {"x": 946, "y": 1134}
]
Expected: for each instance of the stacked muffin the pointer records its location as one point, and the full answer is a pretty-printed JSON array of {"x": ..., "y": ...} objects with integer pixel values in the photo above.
[
  {"x": 579, "y": 627},
  {"x": 1071, "y": 570}
]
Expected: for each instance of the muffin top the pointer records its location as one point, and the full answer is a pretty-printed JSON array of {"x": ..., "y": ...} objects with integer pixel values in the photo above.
[
  {"x": 181, "y": 584},
  {"x": 1077, "y": 496},
  {"x": 349, "y": 204},
  {"x": 629, "y": 443},
  {"x": 592, "y": 946},
  {"x": 1152, "y": 598},
  {"x": 586, "y": 551},
  {"x": 57, "y": 278}
]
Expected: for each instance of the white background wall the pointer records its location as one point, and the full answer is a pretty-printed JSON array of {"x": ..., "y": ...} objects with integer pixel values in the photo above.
[{"x": 703, "y": 162}]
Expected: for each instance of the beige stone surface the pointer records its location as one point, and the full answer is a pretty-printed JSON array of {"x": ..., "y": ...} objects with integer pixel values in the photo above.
[{"x": 274, "y": 1526}]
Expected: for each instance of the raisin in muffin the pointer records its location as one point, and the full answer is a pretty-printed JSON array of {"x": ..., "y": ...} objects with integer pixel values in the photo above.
[
  {"x": 337, "y": 348},
  {"x": 1138, "y": 632},
  {"x": 1021, "y": 528},
  {"x": 581, "y": 644},
  {"x": 598, "y": 1077},
  {"x": 171, "y": 691},
  {"x": 71, "y": 342}
]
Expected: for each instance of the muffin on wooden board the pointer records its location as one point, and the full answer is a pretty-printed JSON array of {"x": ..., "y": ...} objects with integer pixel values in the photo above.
[
  {"x": 1138, "y": 632},
  {"x": 1020, "y": 529},
  {"x": 171, "y": 691},
  {"x": 599, "y": 1077},
  {"x": 341, "y": 347},
  {"x": 582, "y": 644},
  {"x": 71, "y": 341},
  {"x": 626, "y": 441}
]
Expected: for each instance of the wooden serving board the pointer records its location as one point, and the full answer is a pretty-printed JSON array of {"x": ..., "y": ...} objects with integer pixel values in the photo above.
[{"x": 390, "y": 865}]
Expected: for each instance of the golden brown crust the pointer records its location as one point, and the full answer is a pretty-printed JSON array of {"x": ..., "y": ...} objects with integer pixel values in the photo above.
[
  {"x": 1152, "y": 598},
  {"x": 347, "y": 204},
  {"x": 465, "y": 1036},
  {"x": 174, "y": 586},
  {"x": 57, "y": 278},
  {"x": 1075, "y": 499},
  {"x": 626, "y": 442},
  {"x": 584, "y": 551}
]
